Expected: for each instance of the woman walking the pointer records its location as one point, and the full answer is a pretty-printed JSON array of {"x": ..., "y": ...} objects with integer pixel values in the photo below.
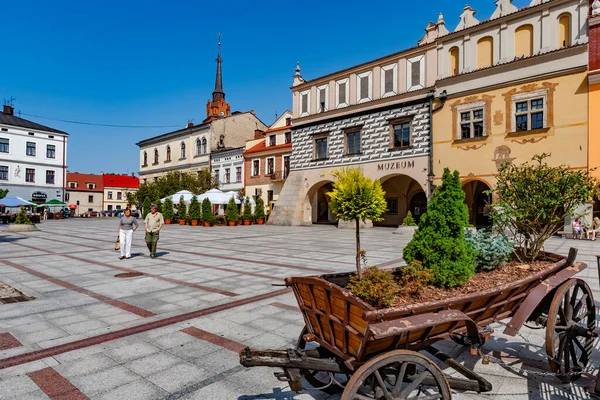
[{"x": 127, "y": 225}]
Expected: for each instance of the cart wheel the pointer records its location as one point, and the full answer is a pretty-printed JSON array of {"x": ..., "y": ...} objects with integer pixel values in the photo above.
[
  {"x": 569, "y": 330},
  {"x": 398, "y": 374},
  {"x": 318, "y": 379}
]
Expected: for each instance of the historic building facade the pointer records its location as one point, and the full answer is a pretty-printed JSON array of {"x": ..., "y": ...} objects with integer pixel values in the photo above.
[
  {"x": 228, "y": 166},
  {"x": 116, "y": 188},
  {"x": 189, "y": 149},
  {"x": 516, "y": 86},
  {"x": 32, "y": 158},
  {"x": 85, "y": 192}
]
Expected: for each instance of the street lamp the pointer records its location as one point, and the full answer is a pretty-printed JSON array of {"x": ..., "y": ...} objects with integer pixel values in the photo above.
[{"x": 431, "y": 98}]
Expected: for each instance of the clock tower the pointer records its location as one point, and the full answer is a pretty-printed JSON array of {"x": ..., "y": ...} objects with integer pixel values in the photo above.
[{"x": 217, "y": 107}]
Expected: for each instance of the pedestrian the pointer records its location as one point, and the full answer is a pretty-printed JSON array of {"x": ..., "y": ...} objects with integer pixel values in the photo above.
[
  {"x": 45, "y": 213},
  {"x": 595, "y": 228},
  {"x": 127, "y": 225},
  {"x": 153, "y": 222}
]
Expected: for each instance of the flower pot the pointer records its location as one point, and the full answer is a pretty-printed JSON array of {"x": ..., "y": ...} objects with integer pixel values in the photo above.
[
  {"x": 231, "y": 223},
  {"x": 260, "y": 221},
  {"x": 246, "y": 222},
  {"x": 182, "y": 222},
  {"x": 206, "y": 224},
  {"x": 194, "y": 222},
  {"x": 168, "y": 221}
]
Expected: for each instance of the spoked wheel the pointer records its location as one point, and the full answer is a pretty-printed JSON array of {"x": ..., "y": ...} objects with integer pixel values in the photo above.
[
  {"x": 570, "y": 329},
  {"x": 318, "y": 379},
  {"x": 398, "y": 374}
]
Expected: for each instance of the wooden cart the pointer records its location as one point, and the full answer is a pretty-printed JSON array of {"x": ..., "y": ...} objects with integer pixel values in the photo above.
[{"x": 348, "y": 346}]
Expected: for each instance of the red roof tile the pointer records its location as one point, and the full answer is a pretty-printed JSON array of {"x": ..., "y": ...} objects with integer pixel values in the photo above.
[
  {"x": 263, "y": 148},
  {"x": 121, "y": 181},
  {"x": 82, "y": 180}
]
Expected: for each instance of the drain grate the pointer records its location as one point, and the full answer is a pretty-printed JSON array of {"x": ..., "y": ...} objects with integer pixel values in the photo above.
[{"x": 128, "y": 275}]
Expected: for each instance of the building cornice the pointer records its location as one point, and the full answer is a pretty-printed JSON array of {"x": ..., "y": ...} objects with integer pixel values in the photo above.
[
  {"x": 594, "y": 77},
  {"x": 173, "y": 168},
  {"x": 172, "y": 135},
  {"x": 264, "y": 153},
  {"x": 27, "y": 162}
]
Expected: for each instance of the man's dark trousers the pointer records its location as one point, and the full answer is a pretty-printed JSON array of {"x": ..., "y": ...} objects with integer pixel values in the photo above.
[{"x": 151, "y": 239}]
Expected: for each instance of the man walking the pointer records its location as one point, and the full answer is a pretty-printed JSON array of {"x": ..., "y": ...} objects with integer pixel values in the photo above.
[{"x": 153, "y": 222}]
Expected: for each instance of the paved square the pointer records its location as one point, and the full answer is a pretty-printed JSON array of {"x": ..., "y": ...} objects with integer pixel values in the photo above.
[{"x": 174, "y": 331}]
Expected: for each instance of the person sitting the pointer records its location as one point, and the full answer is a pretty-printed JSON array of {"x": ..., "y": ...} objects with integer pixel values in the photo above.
[
  {"x": 595, "y": 229},
  {"x": 577, "y": 228}
]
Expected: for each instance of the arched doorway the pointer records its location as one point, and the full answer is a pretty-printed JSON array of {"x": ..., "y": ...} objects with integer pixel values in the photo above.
[
  {"x": 402, "y": 194},
  {"x": 478, "y": 201},
  {"x": 418, "y": 205},
  {"x": 324, "y": 215}
]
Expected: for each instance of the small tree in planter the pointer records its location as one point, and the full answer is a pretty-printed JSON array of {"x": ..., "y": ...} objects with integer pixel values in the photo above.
[
  {"x": 194, "y": 211},
  {"x": 167, "y": 212},
  {"x": 356, "y": 197},
  {"x": 259, "y": 211},
  {"x": 146, "y": 206},
  {"x": 207, "y": 215},
  {"x": 181, "y": 211},
  {"x": 22, "y": 218},
  {"x": 534, "y": 199},
  {"x": 440, "y": 243},
  {"x": 247, "y": 216},
  {"x": 232, "y": 212},
  {"x": 409, "y": 220},
  {"x": 158, "y": 205}
]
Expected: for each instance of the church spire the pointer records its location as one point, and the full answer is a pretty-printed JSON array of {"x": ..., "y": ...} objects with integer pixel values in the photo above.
[{"x": 218, "y": 94}]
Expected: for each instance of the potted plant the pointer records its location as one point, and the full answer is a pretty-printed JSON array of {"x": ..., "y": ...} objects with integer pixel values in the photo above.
[
  {"x": 232, "y": 212},
  {"x": 259, "y": 212},
  {"x": 181, "y": 211},
  {"x": 247, "y": 215},
  {"x": 408, "y": 227},
  {"x": 167, "y": 212},
  {"x": 194, "y": 211},
  {"x": 207, "y": 215}
]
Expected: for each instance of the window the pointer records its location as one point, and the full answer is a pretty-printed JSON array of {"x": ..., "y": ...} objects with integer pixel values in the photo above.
[
  {"x": 67, "y": 196},
  {"x": 50, "y": 151},
  {"x": 145, "y": 159},
  {"x": 415, "y": 73},
  {"x": 168, "y": 158},
  {"x": 270, "y": 166},
  {"x": 255, "y": 167},
  {"x": 182, "y": 150},
  {"x": 353, "y": 142},
  {"x": 529, "y": 114},
  {"x": 389, "y": 80},
  {"x": 91, "y": 186},
  {"x": 217, "y": 175},
  {"x": 238, "y": 174},
  {"x": 524, "y": 41},
  {"x": 109, "y": 195},
  {"x": 29, "y": 175},
  {"x": 109, "y": 207},
  {"x": 272, "y": 140},
  {"x": 322, "y": 98},
  {"x": 564, "y": 30},
  {"x": 454, "y": 58},
  {"x": 288, "y": 137},
  {"x": 364, "y": 87},
  {"x": 304, "y": 103},
  {"x": 321, "y": 148},
  {"x": 91, "y": 198},
  {"x": 227, "y": 175},
  {"x": 288, "y": 121},
  {"x": 401, "y": 134},
  {"x": 485, "y": 52},
  {"x": 72, "y": 185},
  {"x": 286, "y": 166},
  {"x": 392, "y": 206},
  {"x": 118, "y": 207},
  {"x": 119, "y": 196},
  {"x": 155, "y": 156},
  {"x": 198, "y": 147},
  {"x": 3, "y": 145},
  {"x": 269, "y": 197},
  {"x": 342, "y": 94},
  {"x": 471, "y": 124},
  {"x": 203, "y": 145},
  {"x": 3, "y": 173},
  {"x": 30, "y": 149},
  {"x": 50, "y": 177}
]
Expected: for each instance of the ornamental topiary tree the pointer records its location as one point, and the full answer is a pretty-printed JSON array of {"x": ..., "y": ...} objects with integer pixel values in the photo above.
[
  {"x": 534, "y": 199},
  {"x": 440, "y": 243},
  {"x": 22, "y": 218},
  {"x": 259, "y": 211},
  {"x": 181, "y": 209},
  {"x": 195, "y": 209},
  {"x": 232, "y": 213},
  {"x": 247, "y": 216},
  {"x": 409, "y": 220},
  {"x": 167, "y": 209},
  {"x": 356, "y": 197},
  {"x": 146, "y": 207},
  {"x": 207, "y": 215}
]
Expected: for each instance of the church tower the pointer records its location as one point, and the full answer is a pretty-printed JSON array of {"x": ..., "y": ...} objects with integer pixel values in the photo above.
[{"x": 217, "y": 107}]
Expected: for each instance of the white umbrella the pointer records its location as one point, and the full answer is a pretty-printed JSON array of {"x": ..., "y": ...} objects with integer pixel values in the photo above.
[
  {"x": 187, "y": 196},
  {"x": 215, "y": 196},
  {"x": 233, "y": 194}
]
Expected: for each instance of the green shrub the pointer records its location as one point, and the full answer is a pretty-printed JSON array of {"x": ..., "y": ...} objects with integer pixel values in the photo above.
[
  {"x": 181, "y": 209},
  {"x": 409, "y": 220},
  {"x": 376, "y": 286},
  {"x": 158, "y": 205},
  {"x": 440, "y": 243},
  {"x": 22, "y": 218},
  {"x": 259, "y": 211},
  {"x": 207, "y": 215},
  {"x": 414, "y": 278},
  {"x": 146, "y": 206},
  {"x": 247, "y": 216},
  {"x": 194, "y": 209},
  {"x": 231, "y": 212},
  {"x": 492, "y": 249},
  {"x": 167, "y": 208}
]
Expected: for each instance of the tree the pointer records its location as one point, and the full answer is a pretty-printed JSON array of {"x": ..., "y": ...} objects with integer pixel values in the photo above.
[
  {"x": 247, "y": 216},
  {"x": 409, "y": 220},
  {"x": 181, "y": 209},
  {"x": 259, "y": 210},
  {"x": 440, "y": 243},
  {"x": 534, "y": 199},
  {"x": 176, "y": 181},
  {"x": 167, "y": 208},
  {"x": 207, "y": 215},
  {"x": 195, "y": 209},
  {"x": 3, "y": 193},
  {"x": 356, "y": 197},
  {"x": 22, "y": 217},
  {"x": 158, "y": 205},
  {"x": 146, "y": 207},
  {"x": 232, "y": 213}
]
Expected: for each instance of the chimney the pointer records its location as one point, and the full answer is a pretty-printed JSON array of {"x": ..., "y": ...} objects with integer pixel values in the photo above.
[
  {"x": 190, "y": 125},
  {"x": 133, "y": 174},
  {"x": 258, "y": 134},
  {"x": 252, "y": 112},
  {"x": 9, "y": 110}
]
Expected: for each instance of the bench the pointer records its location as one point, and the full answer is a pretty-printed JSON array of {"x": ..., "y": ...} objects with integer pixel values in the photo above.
[{"x": 569, "y": 235}]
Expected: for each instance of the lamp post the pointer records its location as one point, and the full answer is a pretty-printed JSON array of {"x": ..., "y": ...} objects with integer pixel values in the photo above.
[{"x": 431, "y": 98}]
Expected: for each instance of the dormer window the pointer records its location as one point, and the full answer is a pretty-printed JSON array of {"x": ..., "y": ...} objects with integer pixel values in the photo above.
[
  {"x": 272, "y": 140},
  {"x": 288, "y": 121},
  {"x": 322, "y": 98}
]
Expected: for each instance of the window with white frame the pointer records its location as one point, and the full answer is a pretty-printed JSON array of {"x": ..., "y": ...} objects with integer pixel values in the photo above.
[
  {"x": 389, "y": 80},
  {"x": 217, "y": 175},
  {"x": 529, "y": 111},
  {"x": 272, "y": 140},
  {"x": 50, "y": 151},
  {"x": 29, "y": 175},
  {"x": 238, "y": 174},
  {"x": 471, "y": 120},
  {"x": 415, "y": 73},
  {"x": 305, "y": 103},
  {"x": 342, "y": 93},
  {"x": 227, "y": 175},
  {"x": 119, "y": 196},
  {"x": 288, "y": 137},
  {"x": 270, "y": 166},
  {"x": 109, "y": 195},
  {"x": 4, "y": 145},
  {"x": 30, "y": 149},
  {"x": 3, "y": 173},
  {"x": 364, "y": 87},
  {"x": 50, "y": 177},
  {"x": 320, "y": 147},
  {"x": 322, "y": 98},
  {"x": 255, "y": 167}
]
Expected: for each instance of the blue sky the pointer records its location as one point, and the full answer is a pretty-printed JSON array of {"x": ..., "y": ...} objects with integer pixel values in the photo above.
[{"x": 153, "y": 63}]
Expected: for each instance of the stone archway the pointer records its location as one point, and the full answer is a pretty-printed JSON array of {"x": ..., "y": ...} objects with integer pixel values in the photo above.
[
  {"x": 478, "y": 201},
  {"x": 403, "y": 194},
  {"x": 317, "y": 202}
]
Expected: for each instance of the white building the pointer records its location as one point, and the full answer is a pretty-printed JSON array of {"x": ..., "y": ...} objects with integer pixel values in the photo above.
[
  {"x": 32, "y": 158},
  {"x": 228, "y": 166}
]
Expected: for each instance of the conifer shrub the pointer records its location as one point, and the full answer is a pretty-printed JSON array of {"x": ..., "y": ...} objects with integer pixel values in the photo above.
[
  {"x": 207, "y": 215},
  {"x": 194, "y": 209},
  {"x": 492, "y": 249},
  {"x": 158, "y": 205},
  {"x": 22, "y": 218},
  {"x": 247, "y": 216},
  {"x": 181, "y": 209},
  {"x": 440, "y": 243},
  {"x": 167, "y": 208},
  {"x": 259, "y": 211},
  {"x": 231, "y": 212},
  {"x": 376, "y": 286},
  {"x": 409, "y": 220},
  {"x": 146, "y": 206},
  {"x": 414, "y": 277}
]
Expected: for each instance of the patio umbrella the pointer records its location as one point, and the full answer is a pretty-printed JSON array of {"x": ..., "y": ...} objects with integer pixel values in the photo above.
[
  {"x": 15, "y": 201},
  {"x": 215, "y": 196},
  {"x": 54, "y": 203},
  {"x": 233, "y": 194},
  {"x": 187, "y": 196}
]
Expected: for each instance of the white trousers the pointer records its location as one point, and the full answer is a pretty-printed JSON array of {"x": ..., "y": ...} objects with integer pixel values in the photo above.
[{"x": 125, "y": 238}]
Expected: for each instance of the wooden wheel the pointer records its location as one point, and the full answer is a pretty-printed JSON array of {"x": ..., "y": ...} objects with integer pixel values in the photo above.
[
  {"x": 319, "y": 379},
  {"x": 396, "y": 375},
  {"x": 569, "y": 330}
]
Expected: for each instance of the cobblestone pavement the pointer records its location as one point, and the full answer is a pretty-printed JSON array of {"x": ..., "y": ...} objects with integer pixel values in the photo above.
[{"x": 174, "y": 332}]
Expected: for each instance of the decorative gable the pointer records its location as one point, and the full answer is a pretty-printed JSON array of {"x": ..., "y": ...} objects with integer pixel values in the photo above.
[
  {"x": 467, "y": 19},
  {"x": 503, "y": 7}
]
